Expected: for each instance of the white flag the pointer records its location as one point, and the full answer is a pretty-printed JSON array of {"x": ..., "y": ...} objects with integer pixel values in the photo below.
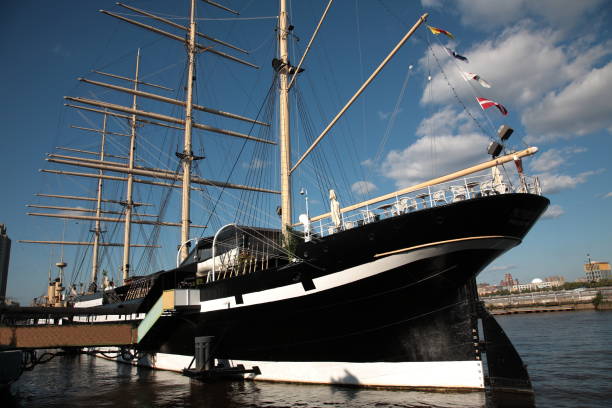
[{"x": 469, "y": 75}]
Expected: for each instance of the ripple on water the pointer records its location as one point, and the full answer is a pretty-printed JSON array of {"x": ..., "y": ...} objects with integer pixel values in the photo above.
[{"x": 569, "y": 356}]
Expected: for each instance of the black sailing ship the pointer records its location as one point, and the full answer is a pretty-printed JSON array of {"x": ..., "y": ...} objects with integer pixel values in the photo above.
[{"x": 380, "y": 293}]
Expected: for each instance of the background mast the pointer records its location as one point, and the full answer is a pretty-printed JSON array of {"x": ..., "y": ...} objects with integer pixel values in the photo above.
[
  {"x": 187, "y": 155},
  {"x": 129, "y": 203},
  {"x": 97, "y": 231},
  {"x": 284, "y": 135}
]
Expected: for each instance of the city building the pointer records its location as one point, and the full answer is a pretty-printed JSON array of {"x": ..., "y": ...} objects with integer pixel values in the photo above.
[
  {"x": 596, "y": 271},
  {"x": 537, "y": 284},
  {"x": 5, "y": 254},
  {"x": 508, "y": 281},
  {"x": 556, "y": 280},
  {"x": 486, "y": 289}
]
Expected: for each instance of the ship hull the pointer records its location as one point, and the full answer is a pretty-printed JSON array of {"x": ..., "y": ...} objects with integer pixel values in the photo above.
[
  {"x": 378, "y": 304},
  {"x": 397, "y": 304},
  {"x": 392, "y": 303}
]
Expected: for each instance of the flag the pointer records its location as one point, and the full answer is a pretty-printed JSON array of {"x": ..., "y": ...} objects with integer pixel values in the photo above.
[
  {"x": 486, "y": 104},
  {"x": 454, "y": 54},
  {"x": 470, "y": 75},
  {"x": 437, "y": 31}
]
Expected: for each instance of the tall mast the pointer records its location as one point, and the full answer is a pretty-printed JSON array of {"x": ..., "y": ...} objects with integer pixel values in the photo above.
[
  {"x": 284, "y": 136},
  {"x": 129, "y": 203},
  {"x": 97, "y": 231},
  {"x": 187, "y": 156}
]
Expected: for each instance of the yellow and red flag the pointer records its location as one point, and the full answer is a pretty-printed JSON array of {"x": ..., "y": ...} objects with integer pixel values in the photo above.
[{"x": 437, "y": 31}]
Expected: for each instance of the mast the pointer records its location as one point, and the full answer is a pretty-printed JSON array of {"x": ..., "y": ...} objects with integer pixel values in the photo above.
[
  {"x": 134, "y": 115},
  {"x": 187, "y": 155},
  {"x": 129, "y": 204},
  {"x": 284, "y": 132},
  {"x": 97, "y": 231}
]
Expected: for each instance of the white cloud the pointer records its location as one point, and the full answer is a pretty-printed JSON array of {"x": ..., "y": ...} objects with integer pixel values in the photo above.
[
  {"x": 445, "y": 122},
  {"x": 60, "y": 50},
  {"x": 431, "y": 3},
  {"x": 553, "y": 183},
  {"x": 528, "y": 65},
  {"x": 547, "y": 161},
  {"x": 501, "y": 268},
  {"x": 368, "y": 163},
  {"x": 553, "y": 211},
  {"x": 383, "y": 115},
  {"x": 386, "y": 115},
  {"x": 582, "y": 107},
  {"x": 490, "y": 14},
  {"x": 75, "y": 211},
  {"x": 501, "y": 61},
  {"x": 255, "y": 164},
  {"x": 363, "y": 187},
  {"x": 609, "y": 195},
  {"x": 553, "y": 158},
  {"x": 447, "y": 144}
]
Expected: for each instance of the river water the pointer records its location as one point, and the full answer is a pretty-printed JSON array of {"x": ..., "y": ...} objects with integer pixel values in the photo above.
[{"x": 569, "y": 358}]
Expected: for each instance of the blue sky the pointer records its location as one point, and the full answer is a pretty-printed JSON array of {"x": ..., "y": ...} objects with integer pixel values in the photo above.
[{"x": 549, "y": 63}]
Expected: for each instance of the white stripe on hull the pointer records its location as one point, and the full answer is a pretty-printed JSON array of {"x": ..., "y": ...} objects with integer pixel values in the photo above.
[
  {"x": 436, "y": 374},
  {"x": 350, "y": 275},
  {"x": 427, "y": 374},
  {"x": 90, "y": 303},
  {"x": 322, "y": 283}
]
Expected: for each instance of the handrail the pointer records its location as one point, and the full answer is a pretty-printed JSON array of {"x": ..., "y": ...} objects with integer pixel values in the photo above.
[
  {"x": 470, "y": 170},
  {"x": 435, "y": 195}
]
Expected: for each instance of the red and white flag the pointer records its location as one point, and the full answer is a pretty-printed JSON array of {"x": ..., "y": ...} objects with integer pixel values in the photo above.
[{"x": 486, "y": 104}]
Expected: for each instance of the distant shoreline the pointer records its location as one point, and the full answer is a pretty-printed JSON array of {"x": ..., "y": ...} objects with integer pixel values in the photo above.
[
  {"x": 509, "y": 310},
  {"x": 554, "y": 301}
]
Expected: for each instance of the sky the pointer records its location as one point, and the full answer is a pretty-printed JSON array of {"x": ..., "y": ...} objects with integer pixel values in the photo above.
[{"x": 548, "y": 62}]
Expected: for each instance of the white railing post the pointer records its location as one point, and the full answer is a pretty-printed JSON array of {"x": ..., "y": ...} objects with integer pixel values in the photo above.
[
  {"x": 211, "y": 276},
  {"x": 178, "y": 255}
]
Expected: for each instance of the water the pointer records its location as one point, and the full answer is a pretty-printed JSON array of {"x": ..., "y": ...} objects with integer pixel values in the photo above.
[{"x": 569, "y": 356}]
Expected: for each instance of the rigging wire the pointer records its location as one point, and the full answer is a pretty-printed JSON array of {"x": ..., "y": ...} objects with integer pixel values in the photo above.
[
  {"x": 363, "y": 101},
  {"x": 454, "y": 91},
  {"x": 235, "y": 163},
  {"x": 251, "y": 203},
  {"x": 432, "y": 144},
  {"x": 392, "y": 117},
  {"x": 472, "y": 87}
]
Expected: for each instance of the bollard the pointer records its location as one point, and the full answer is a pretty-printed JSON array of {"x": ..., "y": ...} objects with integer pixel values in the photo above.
[{"x": 202, "y": 353}]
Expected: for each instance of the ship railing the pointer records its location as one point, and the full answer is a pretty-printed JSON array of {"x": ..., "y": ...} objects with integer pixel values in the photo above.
[
  {"x": 462, "y": 189},
  {"x": 241, "y": 260}
]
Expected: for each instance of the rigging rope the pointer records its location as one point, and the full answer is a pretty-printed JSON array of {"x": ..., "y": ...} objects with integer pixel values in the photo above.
[{"x": 454, "y": 91}]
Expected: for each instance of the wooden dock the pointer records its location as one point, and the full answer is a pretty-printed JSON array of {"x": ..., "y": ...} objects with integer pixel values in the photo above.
[
  {"x": 23, "y": 328},
  {"x": 58, "y": 336}
]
